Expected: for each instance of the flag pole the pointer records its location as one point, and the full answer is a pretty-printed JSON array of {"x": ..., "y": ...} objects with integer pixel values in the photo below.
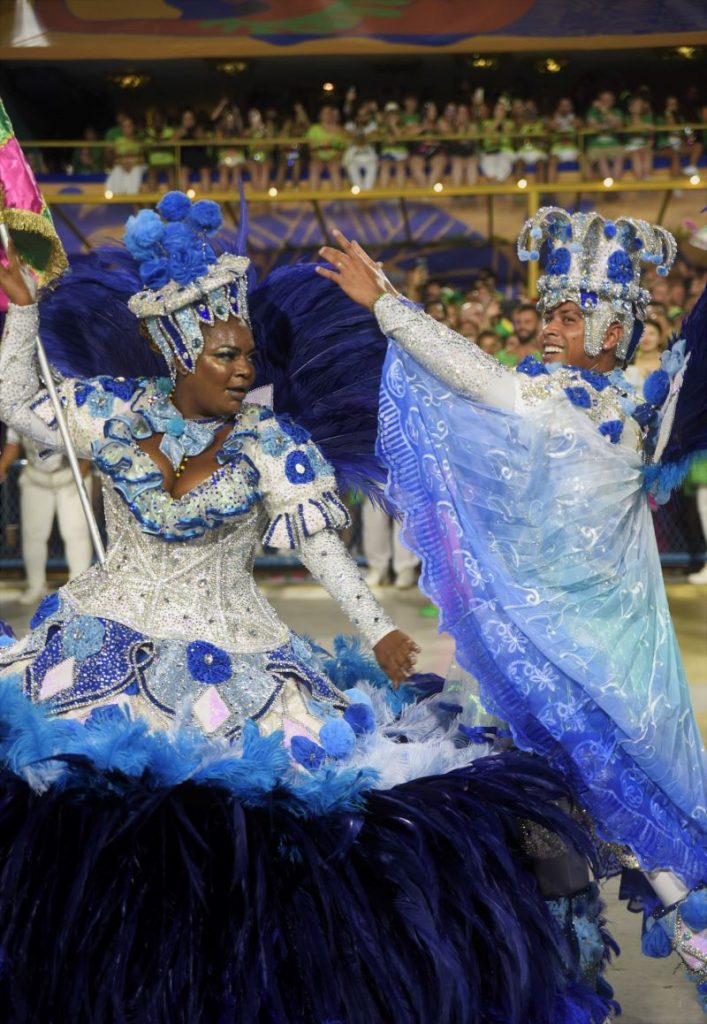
[{"x": 68, "y": 444}]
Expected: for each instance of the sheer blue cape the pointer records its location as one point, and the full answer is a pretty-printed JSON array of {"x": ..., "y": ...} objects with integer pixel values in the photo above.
[{"x": 538, "y": 547}]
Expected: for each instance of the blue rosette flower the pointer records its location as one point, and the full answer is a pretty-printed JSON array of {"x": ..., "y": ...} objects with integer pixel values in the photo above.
[
  {"x": 83, "y": 636},
  {"x": 143, "y": 234},
  {"x": 208, "y": 663}
]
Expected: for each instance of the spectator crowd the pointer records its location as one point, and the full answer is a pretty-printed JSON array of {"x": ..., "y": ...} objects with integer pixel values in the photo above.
[{"x": 364, "y": 144}]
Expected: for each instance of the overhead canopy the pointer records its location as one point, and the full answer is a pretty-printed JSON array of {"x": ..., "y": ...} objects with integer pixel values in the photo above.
[{"x": 156, "y": 29}]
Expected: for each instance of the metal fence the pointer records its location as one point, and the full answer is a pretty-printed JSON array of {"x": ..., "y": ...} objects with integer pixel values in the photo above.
[{"x": 678, "y": 532}]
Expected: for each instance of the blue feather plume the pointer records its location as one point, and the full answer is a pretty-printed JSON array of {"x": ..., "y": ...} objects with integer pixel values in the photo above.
[{"x": 688, "y": 435}]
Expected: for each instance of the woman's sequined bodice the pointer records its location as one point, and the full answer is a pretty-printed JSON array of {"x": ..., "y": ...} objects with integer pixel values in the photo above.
[{"x": 203, "y": 588}]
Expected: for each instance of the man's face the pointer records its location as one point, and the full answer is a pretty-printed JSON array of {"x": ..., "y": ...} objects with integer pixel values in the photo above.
[
  {"x": 562, "y": 336},
  {"x": 526, "y": 323}
]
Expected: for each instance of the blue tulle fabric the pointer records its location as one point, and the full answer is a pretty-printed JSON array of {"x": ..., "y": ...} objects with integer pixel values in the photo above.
[{"x": 538, "y": 546}]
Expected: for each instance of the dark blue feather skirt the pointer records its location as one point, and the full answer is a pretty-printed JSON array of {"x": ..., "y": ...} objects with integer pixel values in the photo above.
[{"x": 264, "y": 895}]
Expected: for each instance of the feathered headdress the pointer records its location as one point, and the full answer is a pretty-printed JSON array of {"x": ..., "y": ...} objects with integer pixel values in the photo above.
[{"x": 187, "y": 285}]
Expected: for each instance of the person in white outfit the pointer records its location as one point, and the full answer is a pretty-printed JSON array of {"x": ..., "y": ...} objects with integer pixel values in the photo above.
[
  {"x": 382, "y": 548},
  {"x": 47, "y": 490}
]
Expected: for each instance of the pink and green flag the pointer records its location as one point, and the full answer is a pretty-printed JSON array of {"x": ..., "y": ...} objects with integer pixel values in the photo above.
[{"x": 23, "y": 210}]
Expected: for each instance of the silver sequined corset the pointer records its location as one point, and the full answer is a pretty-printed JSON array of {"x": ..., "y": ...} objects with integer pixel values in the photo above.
[{"x": 203, "y": 589}]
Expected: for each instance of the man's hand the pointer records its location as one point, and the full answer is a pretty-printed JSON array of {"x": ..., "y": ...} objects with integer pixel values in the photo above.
[
  {"x": 12, "y": 281},
  {"x": 396, "y": 655},
  {"x": 356, "y": 273}
]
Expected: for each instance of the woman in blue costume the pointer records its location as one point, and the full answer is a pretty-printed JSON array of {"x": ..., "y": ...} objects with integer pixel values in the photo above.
[
  {"x": 526, "y": 493},
  {"x": 203, "y": 817}
]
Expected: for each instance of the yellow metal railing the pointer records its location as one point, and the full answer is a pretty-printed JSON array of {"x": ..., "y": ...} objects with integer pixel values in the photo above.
[{"x": 530, "y": 191}]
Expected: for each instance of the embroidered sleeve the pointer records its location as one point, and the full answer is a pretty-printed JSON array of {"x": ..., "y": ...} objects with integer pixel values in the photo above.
[
  {"x": 455, "y": 361},
  {"x": 327, "y": 559},
  {"x": 297, "y": 483},
  {"x": 25, "y": 403}
]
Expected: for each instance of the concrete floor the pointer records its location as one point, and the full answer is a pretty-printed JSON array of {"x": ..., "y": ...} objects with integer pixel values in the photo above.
[{"x": 650, "y": 991}]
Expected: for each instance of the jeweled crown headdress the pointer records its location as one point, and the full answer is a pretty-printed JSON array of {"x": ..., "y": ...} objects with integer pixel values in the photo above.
[
  {"x": 187, "y": 284},
  {"x": 597, "y": 264}
]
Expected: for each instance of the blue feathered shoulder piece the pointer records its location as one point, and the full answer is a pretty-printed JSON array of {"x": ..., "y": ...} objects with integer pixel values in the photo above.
[
  {"x": 323, "y": 354},
  {"x": 680, "y": 430}
]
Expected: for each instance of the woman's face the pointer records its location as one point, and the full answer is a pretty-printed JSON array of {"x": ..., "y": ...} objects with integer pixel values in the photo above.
[
  {"x": 254, "y": 118},
  {"x": 499, "y": 111},
  {"x": 650, "y": 339},
  {"x": 430, "y": 111},
  {"x": 188, "y": 119},
  {"x": 224, "y": 372}
]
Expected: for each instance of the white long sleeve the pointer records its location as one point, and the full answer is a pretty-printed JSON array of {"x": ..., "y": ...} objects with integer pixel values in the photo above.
[
  {"x": 21, "y": 390},
  {"x": 327, "y": 559},
  {"x": 455, "y": 361}
]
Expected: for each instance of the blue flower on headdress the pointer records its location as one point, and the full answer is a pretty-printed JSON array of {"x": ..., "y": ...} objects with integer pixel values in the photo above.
[
  {"x": 49, "y": 605},
  {"x": 588, "y": 298},
  {"x": 559, "y": 261},
  {"x": 143, "y": 233},
  {"x": 207, "y": 663},
  {"x": 619, "y": 267},
  {"x": 174, "y": 206},
  {"x": 532, "y": 367},
  {"x": 579, "y": 396},
  {"x": 186, "y": 263},
  {"x": 206, "y": 215},
  {"x": 154, "y": 273},
  {"x": 298, "y": 468},
  {"x": 83, "y": 636},
  {"x": 613, "y": 429}
]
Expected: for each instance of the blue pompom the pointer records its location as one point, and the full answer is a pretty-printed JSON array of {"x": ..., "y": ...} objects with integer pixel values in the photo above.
[
  {"x": 178, "y": 235},
  {"x": 174, "y": 206},
  {"x": 361, "y": 718},
  {"x": 662, "y": 271},
  {"x": 337, "y": 737},
  {"x": 357, "y": 696},
  {"x": 523, "y": 256},
  {"x": 143, "y": 233},
  {"x": 656, "y": 387},
  {"x": 694, "y": 910},
  {"x": 306, "y": 753},
  {"x": 536, "y": 233},
  {"x": 656, "y": 943},
  {"x": 205, "y": 215},
  {"x": 533, "y": 254},
  {"x": 610, "y": 229}
]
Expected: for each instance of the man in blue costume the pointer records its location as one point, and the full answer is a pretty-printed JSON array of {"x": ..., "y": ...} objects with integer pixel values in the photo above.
[{"x": 525, "y": 494}]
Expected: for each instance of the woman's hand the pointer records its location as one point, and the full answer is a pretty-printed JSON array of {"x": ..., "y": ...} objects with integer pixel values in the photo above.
[
  {"x": 396, "y": 655},
  {"x": 12, "y": 281},
  {"x": 356, "y": 273}
]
